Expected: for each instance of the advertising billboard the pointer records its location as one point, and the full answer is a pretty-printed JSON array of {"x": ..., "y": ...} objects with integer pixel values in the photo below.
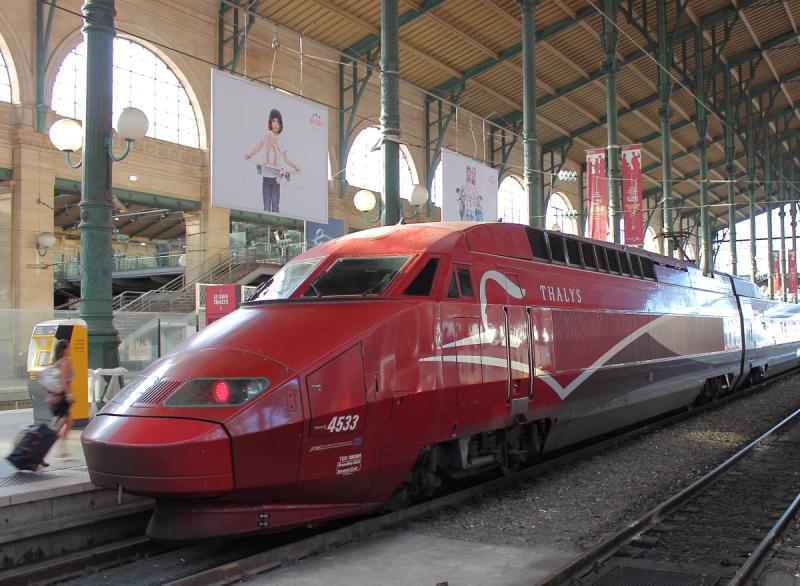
[
  {"x": 269, "y": 150},
  {"x": 469, "y": 190}
]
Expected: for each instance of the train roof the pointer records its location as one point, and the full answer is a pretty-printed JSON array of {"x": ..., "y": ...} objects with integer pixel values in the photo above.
[{"x": 498, "y": 238}]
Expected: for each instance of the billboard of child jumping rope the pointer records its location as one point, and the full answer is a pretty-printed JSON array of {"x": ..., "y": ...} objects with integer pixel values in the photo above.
[
  {"x": 469, "y": 190},
  {"x": 269, "y": 150}
]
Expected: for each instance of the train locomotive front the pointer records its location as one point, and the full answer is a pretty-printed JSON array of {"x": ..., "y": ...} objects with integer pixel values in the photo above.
[{"x": 270, "y": 418}]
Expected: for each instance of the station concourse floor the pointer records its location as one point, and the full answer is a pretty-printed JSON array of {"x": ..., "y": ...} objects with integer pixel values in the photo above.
[{"x": 63, "y": 476}]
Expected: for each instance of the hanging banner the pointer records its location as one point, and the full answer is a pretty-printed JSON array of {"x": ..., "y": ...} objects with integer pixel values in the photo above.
[
  {"x": 596, "y": 196},
  {"x": 792, "y": 271},
  {"x": 631, "y": 172},
  {"x": 269, "y": 150},
  {"x": 776, "y": 271},
  {"x": 469, "y": 190}
]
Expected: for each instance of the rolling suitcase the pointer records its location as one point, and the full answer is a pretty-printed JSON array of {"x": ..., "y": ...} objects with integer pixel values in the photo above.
[{"x": 32, "y": 446}]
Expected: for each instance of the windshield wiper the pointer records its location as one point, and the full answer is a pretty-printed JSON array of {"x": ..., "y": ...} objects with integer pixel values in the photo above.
[
  {"x": 311, "y": 285},
  {"x": 377, "y": 287}
]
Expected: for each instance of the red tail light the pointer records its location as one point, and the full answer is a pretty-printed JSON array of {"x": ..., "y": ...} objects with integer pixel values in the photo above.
[{"x": 221, "y": 392}]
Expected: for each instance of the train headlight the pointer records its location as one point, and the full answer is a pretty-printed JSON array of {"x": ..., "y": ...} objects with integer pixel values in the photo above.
[{"x": 201, "y": 392}]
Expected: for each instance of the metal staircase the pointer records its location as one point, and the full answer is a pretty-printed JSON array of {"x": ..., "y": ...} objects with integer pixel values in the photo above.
[{"x": 178, "y": 295}]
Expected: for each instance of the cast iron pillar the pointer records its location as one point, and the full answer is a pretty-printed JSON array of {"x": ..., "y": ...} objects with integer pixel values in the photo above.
[
  {"x": 751, "y": 182},
  {"x": 702, "y": 144},
  {"x": 96, "y": 207},
  {"x": 782, "y": 215},
  {"x": 530, "y": 138},
  {"x": 390, "y": 111},
  {"x": 611, "y": 67},
  {"x": 665, "y": 93},
  {"x": 793, "y": 214},
  {"x": 730, "y": 155},
  {"x": 768, "y": 199}
]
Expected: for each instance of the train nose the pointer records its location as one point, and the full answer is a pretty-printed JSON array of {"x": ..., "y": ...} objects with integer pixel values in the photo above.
[{"x": 159, "y": 456}]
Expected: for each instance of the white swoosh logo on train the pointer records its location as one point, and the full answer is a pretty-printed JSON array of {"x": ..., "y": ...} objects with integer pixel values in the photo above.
[{"x": 561, "y": 391}]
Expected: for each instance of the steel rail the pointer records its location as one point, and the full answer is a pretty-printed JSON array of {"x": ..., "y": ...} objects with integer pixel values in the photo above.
[
  {"x": 275, "y": 558},
  {"x": 586, "y": 562},
  {"x": 759, "y": 553}
]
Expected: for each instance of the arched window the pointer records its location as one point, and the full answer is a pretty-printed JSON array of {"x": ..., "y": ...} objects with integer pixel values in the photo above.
[
  {"x": 5, "y": 81},
  {"x": 436, "y": 186},
  {"x": 557, "y": 218},
  {"x": 141, "y": 80},
  {"x": 650, "y": 242},
  {"x": 365, "y": 166},
  {"x": 512, "y": 201}
]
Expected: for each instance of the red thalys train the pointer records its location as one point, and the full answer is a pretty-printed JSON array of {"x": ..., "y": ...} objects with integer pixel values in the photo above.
[{"x": 375, "y": 365}]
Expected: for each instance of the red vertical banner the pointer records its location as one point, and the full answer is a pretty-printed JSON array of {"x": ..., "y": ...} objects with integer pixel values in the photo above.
[
  {"x": 792, "y": 271},
  {"x": 631, "y": 172},
  {"x": 776, "y": 271},
  {"x": 596, "y": 194}
]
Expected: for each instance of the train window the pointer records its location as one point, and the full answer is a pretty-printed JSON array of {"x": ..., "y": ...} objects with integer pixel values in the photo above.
[
  {"x": 452, "y": 291},
  {"x": 423, "y": 282},
  {"x": 465, "y": 282},
  {"x": 602, "y": 259},
  {"x": 648, "y": 270},
  {"x": 285, "y": 281},
  {"x": 613, "y": 261},
  {"x": 557, "y": 248},
  {"x": 589, "y": 259},
  {"x": 356, "y": 276},
  {"x": 537, "y": 244},
  {"x": 574, "y": 252},
  {"x": 625, "y": 264}
]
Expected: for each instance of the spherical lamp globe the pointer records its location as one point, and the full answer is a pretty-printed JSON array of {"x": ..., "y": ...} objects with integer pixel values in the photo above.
[
  {"x": 364, "y": 200},
  {"x": 66, "y": 135},
  {"x": 132, "y": 124},
  {"x": 419, "y": 195}
]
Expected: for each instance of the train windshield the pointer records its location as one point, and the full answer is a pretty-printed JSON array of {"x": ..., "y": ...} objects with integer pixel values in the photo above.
[
  {"x": 356, "y": 276},
  {"x": 285, "y": 281}
]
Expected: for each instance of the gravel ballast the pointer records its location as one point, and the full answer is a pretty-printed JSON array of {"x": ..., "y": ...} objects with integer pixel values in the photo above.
[{"x": 574, "y": 506}]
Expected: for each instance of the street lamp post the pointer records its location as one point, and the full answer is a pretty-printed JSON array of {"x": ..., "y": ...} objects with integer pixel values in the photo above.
[{"x": 96, "y": 205}]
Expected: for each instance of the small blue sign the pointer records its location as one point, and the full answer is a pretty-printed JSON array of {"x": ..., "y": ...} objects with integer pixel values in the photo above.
[{"x": 317, "y": 233}]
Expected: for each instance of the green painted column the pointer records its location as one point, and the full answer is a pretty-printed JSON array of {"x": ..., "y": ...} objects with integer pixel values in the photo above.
[
  {"x": 665, "y": 93},
  {"x": 611, "y": 67},
  {"x": 751, "y": 182},
  {"x": 793, "y": 210},
  {"x": 768, "y": 198},
  {"x": 730, "y": 155},
  {"x": 96, "y": 207},
  {"x": 702, "y": 145},
  {"x": 530, "y": 138},
  {"x": 390, "y": 110},
  {"x": 582, "y": 202},
  {"x": 779, "y": 175}
]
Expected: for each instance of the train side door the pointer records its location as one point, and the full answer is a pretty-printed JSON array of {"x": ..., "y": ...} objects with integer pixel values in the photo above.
[
  {"x": 468, "y": 360},
  {"x": 518, "y": 349},
  {"x": 335, "y": 465}
]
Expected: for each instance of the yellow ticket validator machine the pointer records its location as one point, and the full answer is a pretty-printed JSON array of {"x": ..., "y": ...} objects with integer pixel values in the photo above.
[{"x": 40, "y": 356}]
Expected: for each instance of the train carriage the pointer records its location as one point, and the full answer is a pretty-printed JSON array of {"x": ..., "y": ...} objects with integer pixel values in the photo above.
[{"x": 375, "y": 365}]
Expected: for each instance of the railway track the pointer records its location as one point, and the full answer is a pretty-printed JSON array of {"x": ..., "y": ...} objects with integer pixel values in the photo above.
[
  {"x": 716, "y": 530},
  {"x": 226, "y": 562}
]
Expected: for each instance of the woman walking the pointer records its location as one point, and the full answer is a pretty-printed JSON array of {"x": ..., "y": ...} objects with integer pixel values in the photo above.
[{"x": 61, "y": 401}]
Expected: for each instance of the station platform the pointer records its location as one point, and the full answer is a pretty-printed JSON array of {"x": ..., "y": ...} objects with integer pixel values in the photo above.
[
  {"x": 63, "y": 472},
  {"x": 57, "y": 510}
]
